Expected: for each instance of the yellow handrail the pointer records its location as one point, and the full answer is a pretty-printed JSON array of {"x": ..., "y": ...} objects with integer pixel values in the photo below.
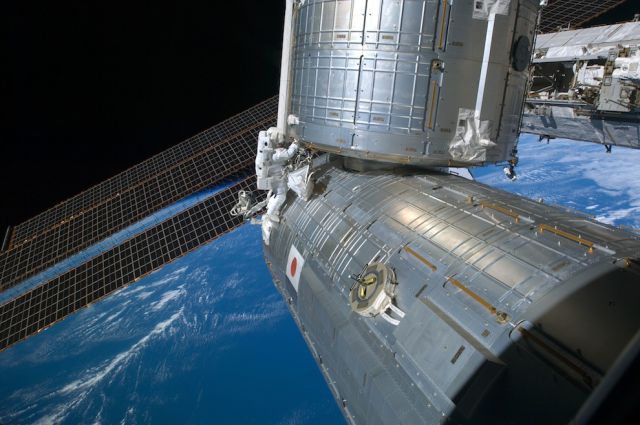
[
  {"x": 567, "y": 235},
  {"x": 502, "y": 210},
  {"x": 501, "y": 316},
  {"x": 421, "y": 258}
]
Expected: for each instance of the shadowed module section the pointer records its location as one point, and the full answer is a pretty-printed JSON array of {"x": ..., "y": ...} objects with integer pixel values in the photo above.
[
  {"x": 136, "y": 257},
  {"x": 73, "y": 225}
]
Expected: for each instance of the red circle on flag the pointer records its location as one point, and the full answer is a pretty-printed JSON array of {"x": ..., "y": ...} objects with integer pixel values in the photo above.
[{"x": 294, "y": 266}]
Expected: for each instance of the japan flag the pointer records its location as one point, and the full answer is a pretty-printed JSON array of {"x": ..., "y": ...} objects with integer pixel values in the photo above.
[{"x": 295, "y": 263}]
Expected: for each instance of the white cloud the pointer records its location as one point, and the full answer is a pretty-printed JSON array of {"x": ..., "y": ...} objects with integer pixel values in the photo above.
[
  {"x": 566, "y": 171},
  {"x": 82, "y": 387},
  {"x": 167, "y": 297}
]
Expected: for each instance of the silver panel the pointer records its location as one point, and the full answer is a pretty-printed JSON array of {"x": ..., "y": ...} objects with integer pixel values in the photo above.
[
  {"x": 594, "y": 38},
  {"x": 467, "y": 276},
  {"x": 387, "y": 79},
  {"x": 624, "y": 133}
]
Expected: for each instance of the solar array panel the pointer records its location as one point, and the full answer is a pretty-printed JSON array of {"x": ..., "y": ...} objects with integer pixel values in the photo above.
[
  {"x": 257, "y": 117},
  {"x": 50, "y": 302},
  {"x": 560, "y": 14},
  {"x": 212, "y": 163}
]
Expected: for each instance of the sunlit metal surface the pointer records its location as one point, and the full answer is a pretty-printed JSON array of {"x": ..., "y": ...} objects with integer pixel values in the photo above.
[{"x": 485, "y": 284}]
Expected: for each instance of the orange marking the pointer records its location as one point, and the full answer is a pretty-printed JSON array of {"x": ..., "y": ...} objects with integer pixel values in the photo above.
[
  {"x": 567, "y": 235},
  {"x": 443, "y": 24},
  {"x": 421, "y": 258},
  {"x": 502, "y": 210}
]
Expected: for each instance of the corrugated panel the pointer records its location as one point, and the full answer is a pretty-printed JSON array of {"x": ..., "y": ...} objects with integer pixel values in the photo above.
[{"x": 591, "y": 38}]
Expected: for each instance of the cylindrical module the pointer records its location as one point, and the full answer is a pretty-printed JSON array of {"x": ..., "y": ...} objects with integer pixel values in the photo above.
[
  {"x": 427, "y": 82},
  {"x": 431, "y": 299}
]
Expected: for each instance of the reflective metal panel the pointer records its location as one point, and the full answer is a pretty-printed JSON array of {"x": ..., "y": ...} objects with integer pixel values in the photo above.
[
  {"x": 405, "y": 81},
  {"x": 487, "y": 283}
]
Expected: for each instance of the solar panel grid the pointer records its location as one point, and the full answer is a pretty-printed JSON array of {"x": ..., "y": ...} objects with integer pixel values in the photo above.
[
  {"x": 253, "y": 117},
  {"x": 560, "y": 14},
  {"x": 138, "y": 256},
  {"x": 84, "y": 230}
]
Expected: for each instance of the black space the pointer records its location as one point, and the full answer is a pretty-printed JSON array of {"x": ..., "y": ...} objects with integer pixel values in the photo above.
[{"x": 90, "y": 89}]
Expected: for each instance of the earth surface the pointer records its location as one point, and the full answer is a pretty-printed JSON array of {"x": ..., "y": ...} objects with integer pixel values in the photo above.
[{"x": 207, "y": 338}]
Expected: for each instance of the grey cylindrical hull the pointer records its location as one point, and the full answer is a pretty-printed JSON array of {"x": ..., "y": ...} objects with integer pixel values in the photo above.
[
  {"x": 514, "y": 310},
  {"x": 403, "y": 80}
]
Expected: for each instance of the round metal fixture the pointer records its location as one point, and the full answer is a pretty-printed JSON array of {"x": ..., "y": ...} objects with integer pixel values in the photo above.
[
  {"x": 373, "y": 291},
  {"x": 521, "y": 53}
]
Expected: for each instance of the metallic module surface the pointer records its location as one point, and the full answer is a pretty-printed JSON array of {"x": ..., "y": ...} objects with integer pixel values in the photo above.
[
  {"x": 419, "y": 82},
  {"x": 424, "y": 297},
  {"x": 501, "y": 306}
]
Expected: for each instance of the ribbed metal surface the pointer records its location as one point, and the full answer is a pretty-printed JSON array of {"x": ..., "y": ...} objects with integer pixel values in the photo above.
[
  {"x": 250, "y": 121},
  {"x": 390, "y": 91},
  {"x": 54, "y": 300},
  {"x": 560, "y": 14},
  {"x": 221, "y": 154},
  {"x": 387, "y": 80},
  {"x": 587, "y": 40},
  {"x": 472, "y": 263}
]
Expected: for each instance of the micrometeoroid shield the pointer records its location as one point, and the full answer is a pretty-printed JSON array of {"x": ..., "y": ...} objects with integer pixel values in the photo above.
[{"x": 419, "y": 82}]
